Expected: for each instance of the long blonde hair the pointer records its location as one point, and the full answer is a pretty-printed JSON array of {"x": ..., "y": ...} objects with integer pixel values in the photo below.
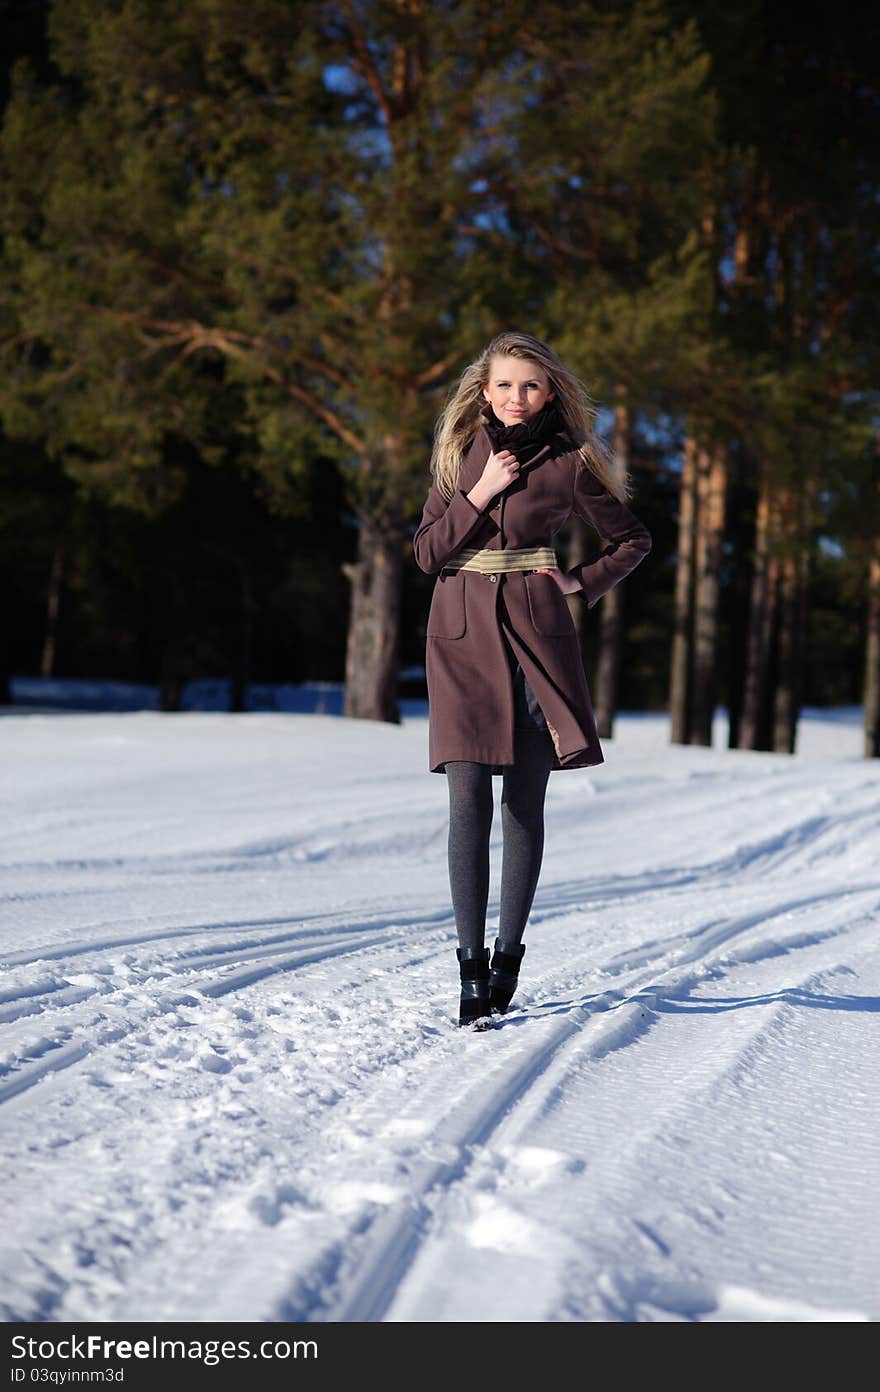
[{"x": 460, "y": 419}]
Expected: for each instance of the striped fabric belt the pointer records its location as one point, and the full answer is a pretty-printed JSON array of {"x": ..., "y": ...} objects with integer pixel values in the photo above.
[{"x": 488, "y": 562}]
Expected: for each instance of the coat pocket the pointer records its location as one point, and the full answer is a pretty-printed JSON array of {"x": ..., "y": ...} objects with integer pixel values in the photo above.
[
  {"x": 447, "y": 617},
  {"x": 548, "y": 607}
]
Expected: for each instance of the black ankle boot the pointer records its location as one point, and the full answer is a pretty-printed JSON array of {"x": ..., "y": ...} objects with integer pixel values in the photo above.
[
  {"x": 475, "y": 1005},
  {"x": 504, "y": 974}
]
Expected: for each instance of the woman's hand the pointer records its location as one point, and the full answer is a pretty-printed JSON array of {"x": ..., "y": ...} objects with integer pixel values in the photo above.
[
  {"x": 568, "y": 584},
  {"x": 499, "y": 470}
]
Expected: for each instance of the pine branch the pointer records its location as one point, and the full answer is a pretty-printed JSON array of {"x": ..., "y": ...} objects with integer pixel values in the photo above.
[
  {"x": 363, "y": 61},
  {"x": 196, "y": 337}
]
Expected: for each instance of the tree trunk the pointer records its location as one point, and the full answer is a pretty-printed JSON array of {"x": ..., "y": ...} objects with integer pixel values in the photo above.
[
  {"x": 56, "y": 574},
  {"x": 611, "y": 621},
  {"x": 739, "y": 587},
  {"x": 173, "y": 666},
  {"x": 792, "y": 613},
  {"x": 803, "y": 595},
  {"x": 756, "y": 648},
  {"x": 769, "y": 632},
  {"x": 787, "y": 683},
  {"x": 170, "y": 681},
  {"x": 872, "y": 657},
  {"x": 679, "y": 683},
  {"x": 712, "y": 496},
  {"x": 608, "y": 669},
  {"x": 241, "y": 675},
  {"x": 372, "y": 664}
]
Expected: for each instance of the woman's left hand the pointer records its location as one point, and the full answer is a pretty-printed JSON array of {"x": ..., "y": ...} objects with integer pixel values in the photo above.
[{"x": 567, "y": 583}]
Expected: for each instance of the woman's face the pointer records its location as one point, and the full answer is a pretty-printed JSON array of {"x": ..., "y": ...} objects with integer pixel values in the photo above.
[{"x": 516, "y": 388}]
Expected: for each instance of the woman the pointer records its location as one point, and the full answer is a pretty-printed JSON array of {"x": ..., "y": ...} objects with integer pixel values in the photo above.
[{"x": 514, "y": 456}]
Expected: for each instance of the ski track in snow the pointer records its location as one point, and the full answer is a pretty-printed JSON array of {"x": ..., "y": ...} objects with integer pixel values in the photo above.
[{"x": 209, "y": 1114}]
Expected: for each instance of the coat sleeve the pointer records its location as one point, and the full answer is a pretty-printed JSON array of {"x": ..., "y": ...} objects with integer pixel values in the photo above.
[
  {"x": 444, "y": 528},
  {"x": 630, "y": 540}
]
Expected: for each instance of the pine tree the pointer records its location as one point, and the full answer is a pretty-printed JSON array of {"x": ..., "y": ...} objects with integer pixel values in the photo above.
[{"x": 311, "y": 216}]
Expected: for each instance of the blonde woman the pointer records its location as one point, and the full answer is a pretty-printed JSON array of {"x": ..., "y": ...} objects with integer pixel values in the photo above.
[{"x": 515, "y": 454}]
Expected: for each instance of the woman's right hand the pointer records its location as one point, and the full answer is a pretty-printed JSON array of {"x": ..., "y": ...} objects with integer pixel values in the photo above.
[{"x": 499, "y": 470}]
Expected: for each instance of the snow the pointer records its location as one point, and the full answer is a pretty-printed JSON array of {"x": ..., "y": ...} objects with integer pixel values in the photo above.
[{"x": 233, "y": 1087}]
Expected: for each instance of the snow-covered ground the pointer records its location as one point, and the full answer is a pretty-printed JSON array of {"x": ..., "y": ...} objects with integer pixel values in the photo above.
[{"x": 232, "y": 1084}]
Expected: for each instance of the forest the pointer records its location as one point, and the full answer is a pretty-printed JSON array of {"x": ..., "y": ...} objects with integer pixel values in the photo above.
[{"x": 247, "y": 250}]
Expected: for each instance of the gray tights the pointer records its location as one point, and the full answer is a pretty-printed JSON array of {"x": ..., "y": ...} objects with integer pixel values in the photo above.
[{"x": 471, "y": 807}]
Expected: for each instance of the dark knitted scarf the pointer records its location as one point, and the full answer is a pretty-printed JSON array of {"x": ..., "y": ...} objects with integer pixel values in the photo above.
[{"x": 527, "y": 437}]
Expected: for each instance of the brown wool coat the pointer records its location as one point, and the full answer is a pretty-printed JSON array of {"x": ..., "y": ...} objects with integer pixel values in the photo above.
[{"x": 470, "y": 691}]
